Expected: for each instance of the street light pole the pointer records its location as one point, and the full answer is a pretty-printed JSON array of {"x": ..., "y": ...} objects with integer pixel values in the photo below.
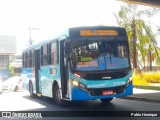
[{"x": 30, "y": 39}]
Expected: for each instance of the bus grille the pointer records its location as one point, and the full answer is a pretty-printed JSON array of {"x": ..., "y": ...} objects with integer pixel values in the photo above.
[
  {"x": 98, "y": 92},
  {"x": 100, "y": 76}
]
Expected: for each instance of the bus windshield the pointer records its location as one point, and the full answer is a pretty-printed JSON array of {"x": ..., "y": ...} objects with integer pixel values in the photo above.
[{"x": 99, "y": 55}]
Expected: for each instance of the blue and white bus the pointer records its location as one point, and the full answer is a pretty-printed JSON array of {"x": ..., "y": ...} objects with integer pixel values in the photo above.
[{"x": 83, "y": 63}]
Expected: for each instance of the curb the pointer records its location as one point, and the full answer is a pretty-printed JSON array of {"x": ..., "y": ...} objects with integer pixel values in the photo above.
[{"x": 142, "y": 99}]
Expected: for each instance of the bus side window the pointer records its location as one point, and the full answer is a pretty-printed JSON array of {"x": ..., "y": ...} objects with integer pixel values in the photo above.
[
  {"x": 49, "y": 54},
  {"x": 44, "y": 55},
  {"x": 54, "y": 52}
]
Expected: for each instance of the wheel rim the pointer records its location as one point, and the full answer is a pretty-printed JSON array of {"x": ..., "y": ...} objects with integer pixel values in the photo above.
[
  {"x": 58, "y": 95},
  {"x": 16, "y": 89}
]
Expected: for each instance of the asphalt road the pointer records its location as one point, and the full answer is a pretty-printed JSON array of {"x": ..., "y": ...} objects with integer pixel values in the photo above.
[{"x": 21, "y": 101}]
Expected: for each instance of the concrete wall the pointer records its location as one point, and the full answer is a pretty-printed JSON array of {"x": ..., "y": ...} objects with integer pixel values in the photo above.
[{"x": 7, "y": 44}]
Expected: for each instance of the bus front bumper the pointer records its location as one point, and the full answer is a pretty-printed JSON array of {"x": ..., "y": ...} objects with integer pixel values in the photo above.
[{"x": 93, "y": 94}]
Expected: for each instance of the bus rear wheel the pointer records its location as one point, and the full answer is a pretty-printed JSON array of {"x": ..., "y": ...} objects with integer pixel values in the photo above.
[
  {"x": 32, "y": 95},
  {"x": 16, "y": 89},
  {"x": 106, "y": 100},
  {"x": 57, "y": 96}
]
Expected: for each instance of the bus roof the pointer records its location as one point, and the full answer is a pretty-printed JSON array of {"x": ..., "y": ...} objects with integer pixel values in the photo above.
[
  {"x": 73, "y": 32},
  {"x": 42, "y": 42}
]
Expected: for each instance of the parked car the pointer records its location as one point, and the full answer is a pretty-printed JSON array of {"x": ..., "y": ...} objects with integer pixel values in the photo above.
[
  {"x": 13, "y": 84},
  {"x": 26, "y": 78},
  {"x": 0, "y": 87}
]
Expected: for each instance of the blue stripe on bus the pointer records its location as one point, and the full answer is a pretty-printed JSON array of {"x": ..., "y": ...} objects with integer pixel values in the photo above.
[{"x": 78, "y": 94}]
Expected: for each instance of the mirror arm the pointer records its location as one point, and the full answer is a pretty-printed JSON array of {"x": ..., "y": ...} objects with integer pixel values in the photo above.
[{"x": 67, "y": 37}]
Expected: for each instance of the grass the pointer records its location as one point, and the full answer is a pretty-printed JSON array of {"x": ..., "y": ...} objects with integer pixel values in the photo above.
[
  {"x": 145, "y": 78},
  {"x": 147, "y": 87}
]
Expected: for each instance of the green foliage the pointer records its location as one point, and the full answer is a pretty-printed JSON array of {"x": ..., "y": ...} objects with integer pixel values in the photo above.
[
  {"x": 11, "y": 69},
  {"x": 157, "y": 60},
  {"x": 146, "y": 39}
]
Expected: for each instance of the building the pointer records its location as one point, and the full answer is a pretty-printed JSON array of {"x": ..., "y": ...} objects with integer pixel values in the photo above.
[
  {"x": 7, "y": 50},
  {"x": 17, "y": 64}
]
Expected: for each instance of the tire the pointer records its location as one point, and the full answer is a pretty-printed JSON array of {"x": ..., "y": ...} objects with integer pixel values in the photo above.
[
  {"x": 16, "y": 89},
  {"x": 57, "y": 96},
  {"x": 1, "y": 91},
  {"x": 106, "y": 100},
  {"x": 32, "y": 95}
]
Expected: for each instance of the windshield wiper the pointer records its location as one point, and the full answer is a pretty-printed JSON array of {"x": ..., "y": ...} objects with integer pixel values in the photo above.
[
  {"x": 105, "y": 59},
  {"x": 110, "y": 58}
]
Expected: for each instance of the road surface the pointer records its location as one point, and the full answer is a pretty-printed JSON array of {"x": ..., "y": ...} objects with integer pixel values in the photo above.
[{"x": 21, "y": 101}]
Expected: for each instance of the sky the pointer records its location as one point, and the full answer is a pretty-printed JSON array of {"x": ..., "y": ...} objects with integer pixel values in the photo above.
[{"x": 50, "y": 17}]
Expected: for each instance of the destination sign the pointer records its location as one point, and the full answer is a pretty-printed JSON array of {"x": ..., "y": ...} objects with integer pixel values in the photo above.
[{"x": 98, "y": 33}]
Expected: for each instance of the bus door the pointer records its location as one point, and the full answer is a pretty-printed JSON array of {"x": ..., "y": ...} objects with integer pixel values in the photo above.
[
  {"x": 64, "y": 69},
  {"x": 37, "y": 68}
]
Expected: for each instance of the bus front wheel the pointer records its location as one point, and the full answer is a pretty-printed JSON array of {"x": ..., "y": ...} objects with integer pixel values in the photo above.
[
  {"x": 106, "y": 100},
  {"x": 57, "y": 96}
]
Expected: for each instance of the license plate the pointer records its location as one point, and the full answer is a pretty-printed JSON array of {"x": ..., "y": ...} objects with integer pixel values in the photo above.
[{"x": 107, "y": 92}]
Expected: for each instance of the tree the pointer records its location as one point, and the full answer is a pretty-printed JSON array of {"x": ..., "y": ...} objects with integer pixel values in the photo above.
[
  {"x": 127, "y": 18},
  {"x": 157, "y": 60},
  {"x": 142, "y": 43},
  {"x": 153, "y": 52},
  {"x": 139, "y": 34}
]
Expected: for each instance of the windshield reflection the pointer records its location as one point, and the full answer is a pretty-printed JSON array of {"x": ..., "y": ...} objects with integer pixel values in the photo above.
[{"x": 101, "y": 55}]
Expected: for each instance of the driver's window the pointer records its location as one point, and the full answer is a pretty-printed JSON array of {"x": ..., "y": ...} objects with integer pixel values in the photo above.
[{"x": 121, "y": 50}]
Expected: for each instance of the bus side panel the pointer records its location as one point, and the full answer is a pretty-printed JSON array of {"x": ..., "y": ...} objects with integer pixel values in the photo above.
[
  {"x": 48, "y": 75},
  {"x": 55, "y": 76},
  {"x": 44, "y": 80}
]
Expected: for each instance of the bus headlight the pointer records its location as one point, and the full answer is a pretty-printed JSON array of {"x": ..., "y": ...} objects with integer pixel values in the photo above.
[
  {"x": 75, "y": 83},
  {"x": 128, "y": 81},
  {"x": 78, "y": 84}
]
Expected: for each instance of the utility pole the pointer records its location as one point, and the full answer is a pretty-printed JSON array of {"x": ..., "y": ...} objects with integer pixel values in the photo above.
[{"x": 30, "y": 34}]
